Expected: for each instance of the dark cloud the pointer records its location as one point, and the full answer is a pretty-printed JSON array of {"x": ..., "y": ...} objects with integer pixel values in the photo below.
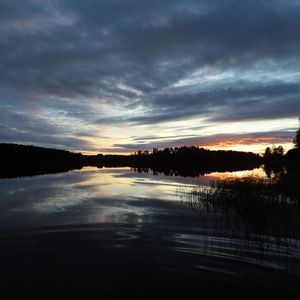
[
  {"x": 235, "y": 102},
  {"x": 94, "y": 44},
  {"x": 153, "y": 137}
]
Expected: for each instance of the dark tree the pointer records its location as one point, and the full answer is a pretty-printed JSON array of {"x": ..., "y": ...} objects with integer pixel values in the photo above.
[
  {"x": 278, "y": 151},
  {"x": 296, "y": 140},
  {"x": 268, "y": 153},
  {"x": 274, "y": 155}
]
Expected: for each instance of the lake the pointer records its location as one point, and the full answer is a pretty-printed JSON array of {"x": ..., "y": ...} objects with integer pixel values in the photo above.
[{"x": 115, "y": 232}]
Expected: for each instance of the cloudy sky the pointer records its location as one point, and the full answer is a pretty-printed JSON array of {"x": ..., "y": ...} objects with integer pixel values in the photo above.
[{"x": 120, "y": 75}]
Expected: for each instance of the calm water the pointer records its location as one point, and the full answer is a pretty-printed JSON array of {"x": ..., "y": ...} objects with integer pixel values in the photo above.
[{"x": 116, "y": 232}]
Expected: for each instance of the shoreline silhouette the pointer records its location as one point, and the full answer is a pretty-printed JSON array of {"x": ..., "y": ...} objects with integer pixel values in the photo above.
[{"x": 17, "y": 160}]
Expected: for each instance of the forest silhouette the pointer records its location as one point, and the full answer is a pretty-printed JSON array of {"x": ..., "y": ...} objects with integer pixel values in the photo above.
[{"x": 27, "y": 160}]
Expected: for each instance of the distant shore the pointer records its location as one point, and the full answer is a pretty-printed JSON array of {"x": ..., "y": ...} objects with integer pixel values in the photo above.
[{"x": 27, "y": 160}]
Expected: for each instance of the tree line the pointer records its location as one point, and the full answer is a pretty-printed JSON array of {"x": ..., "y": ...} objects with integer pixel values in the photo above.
[{"x": 277, "y": 154}]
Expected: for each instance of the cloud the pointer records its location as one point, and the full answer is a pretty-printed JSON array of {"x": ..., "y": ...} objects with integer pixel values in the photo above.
[
  {"x": 221, "y": 140},
  {"x": 132, "y": 62},
  {"x": 118, "y": 41},
  {"x": 32, "y": 129}
]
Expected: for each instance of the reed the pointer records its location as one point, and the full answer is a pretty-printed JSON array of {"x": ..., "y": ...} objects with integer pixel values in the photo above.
[{"x": 260, "y": 205}]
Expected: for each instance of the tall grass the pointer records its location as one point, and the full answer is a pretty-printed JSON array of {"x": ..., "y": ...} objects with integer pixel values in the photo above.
[{"x": 259, "y": 205}]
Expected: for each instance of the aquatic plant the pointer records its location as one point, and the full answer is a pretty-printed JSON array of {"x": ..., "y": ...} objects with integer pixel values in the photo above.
[{"x": 261, "y": 206}]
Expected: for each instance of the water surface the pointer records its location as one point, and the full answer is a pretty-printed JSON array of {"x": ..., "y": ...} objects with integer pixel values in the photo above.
[{"x": 116, "y": 232}]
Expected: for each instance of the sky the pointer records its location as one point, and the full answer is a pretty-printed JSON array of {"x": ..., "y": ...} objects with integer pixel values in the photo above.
[{"x": 116, "y": 76}]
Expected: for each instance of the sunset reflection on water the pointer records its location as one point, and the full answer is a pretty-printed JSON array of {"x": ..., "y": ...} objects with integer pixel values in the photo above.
[
  {"x": 257, "y": 173},
  {"x": 125, "y": 183},
  {"x": 114, "y": 220},
  {"x": 94, "y": 195}
]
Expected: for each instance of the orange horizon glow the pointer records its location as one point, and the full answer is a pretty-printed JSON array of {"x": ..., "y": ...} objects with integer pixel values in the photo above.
[{"x": 231, "y": 146}]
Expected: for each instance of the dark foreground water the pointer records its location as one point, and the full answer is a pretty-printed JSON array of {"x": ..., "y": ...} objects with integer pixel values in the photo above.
[{"x": 114, "y": 233}]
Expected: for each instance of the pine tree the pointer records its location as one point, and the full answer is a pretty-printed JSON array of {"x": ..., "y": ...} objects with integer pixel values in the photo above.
[{"x": 296, "y": 140}]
